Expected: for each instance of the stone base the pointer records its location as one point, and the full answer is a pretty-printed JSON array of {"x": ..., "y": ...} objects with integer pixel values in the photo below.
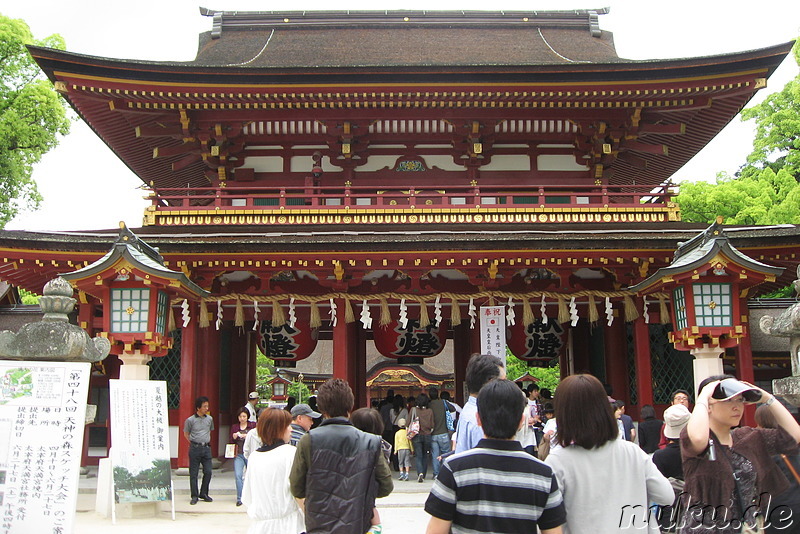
[
  {"x": 105, "y": 488},
  {"x": 788, "y": 388},
  {"x": 136, "y": 510}
]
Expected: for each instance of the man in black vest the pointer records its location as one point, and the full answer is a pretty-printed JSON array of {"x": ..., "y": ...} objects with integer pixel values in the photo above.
[{"x": 348, "y": 470}]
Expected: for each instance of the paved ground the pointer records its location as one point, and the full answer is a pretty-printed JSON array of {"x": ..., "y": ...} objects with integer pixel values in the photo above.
[{"x": 401, "y": 512}]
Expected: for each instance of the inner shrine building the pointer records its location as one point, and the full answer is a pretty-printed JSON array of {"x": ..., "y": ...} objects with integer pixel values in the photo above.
[{"x": 354, "y": 186}]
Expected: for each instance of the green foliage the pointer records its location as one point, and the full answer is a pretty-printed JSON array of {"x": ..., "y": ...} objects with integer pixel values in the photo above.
[
  {"x": 765, "y": 190},
  {"x": 548, "y": 376},
  {"x": 783, "y": 293},
  {"x": 758, "y": 196},
  {"x": 299, "y": 390},
  {"x": 28, "y": 297},
  {"x": 32, "y": 115},
  {"x": 265, "y": 368},
  {"x": 777, "y": 142}
]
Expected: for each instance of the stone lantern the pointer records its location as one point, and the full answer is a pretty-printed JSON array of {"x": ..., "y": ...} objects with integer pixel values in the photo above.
[
  {"x": 708, "y": 282},
  {"x": 136, "y": 290},
  {"x": 787, "y": 324}
]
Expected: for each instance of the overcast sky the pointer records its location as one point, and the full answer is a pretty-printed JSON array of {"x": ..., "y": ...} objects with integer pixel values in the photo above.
[{"x": 86, "y": 187}]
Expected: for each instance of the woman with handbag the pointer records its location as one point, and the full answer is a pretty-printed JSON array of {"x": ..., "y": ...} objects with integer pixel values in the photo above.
[
  {"x": 239, "y": 432},
  {"x": 423, "y": 440},
  {"x": 728, "y": 468}
]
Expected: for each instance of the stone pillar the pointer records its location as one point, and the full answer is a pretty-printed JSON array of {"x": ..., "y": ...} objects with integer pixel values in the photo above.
[
  {"x": 134, "y": 366},
  {"x": 707, "y": 362},
  {"x": 787, "y": 324}
]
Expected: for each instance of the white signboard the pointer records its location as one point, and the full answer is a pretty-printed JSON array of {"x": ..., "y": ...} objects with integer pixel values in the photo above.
[
  {"x": 493, "y": 331},
  {"x": 140, "y": 441},
  {"x": 42, "y": 416}
]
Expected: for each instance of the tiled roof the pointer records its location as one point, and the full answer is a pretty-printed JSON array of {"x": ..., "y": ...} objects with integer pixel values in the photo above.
[{"x": 404, "y": 38}]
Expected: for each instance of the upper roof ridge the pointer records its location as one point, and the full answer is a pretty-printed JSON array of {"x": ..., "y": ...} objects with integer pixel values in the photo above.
[{"x": 588, "y": 18}]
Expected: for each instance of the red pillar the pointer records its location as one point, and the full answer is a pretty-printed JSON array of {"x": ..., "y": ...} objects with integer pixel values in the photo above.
[
  {"x": 242, "y": 370},
  {"x": 360, "y": 389},
  {"x": 462, "y": 349},
  {"x": 644, "y": 370},
  {"x": 188, "y": 386},
  {"x": 344, "y": 353},
  {"x": 616, "y": 359},
  {"x": 208, "y": 378}
]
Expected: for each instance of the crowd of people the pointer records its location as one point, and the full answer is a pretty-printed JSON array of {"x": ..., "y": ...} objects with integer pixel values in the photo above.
[{"x": 516, "y": 461}]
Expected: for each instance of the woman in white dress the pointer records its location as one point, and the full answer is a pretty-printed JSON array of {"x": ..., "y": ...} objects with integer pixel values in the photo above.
[
  {"x": 608, "y": 484},
  {"x": 266, "y": 485}
]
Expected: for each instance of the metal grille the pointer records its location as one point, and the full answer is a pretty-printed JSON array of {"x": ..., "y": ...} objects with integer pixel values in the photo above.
[
  {"x": 672, "y": 369},
  {"x": 633, "y": 393},
  {"x": 168, "y": 369}
]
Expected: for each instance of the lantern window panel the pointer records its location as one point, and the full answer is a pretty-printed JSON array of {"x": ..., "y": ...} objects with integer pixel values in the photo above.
[
  {"x": 130, "y": 307},
  {"x": 279, "y": 389},
  {"x": 713, "y": 305},
  {"x": 679, "y": 302},
  {"x": 161, "y": 312}
]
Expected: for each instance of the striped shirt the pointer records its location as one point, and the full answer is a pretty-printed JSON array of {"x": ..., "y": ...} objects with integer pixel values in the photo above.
[
  {"x": 297, "y": 433},
  {"x": 496, "y": 487}
]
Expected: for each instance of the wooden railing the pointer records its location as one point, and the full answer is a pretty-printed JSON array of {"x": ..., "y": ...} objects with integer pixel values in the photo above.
[{"x": 370, "y": 197}]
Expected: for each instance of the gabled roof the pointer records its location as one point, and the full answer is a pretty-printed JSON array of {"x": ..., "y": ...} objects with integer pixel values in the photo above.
[
  {"x": 298, "y": 66},
  {"x": 699, "y": 252},
  {"x": 140, "y": 256}
]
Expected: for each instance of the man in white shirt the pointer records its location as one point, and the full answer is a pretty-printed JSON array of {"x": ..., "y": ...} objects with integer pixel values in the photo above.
[{"x": 252, "y": 401}]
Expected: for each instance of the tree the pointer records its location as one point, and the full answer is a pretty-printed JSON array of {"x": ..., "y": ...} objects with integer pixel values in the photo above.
[
  {"x": 299, "y": 390},
  {"x": 28, "y": 297},
  {"x": 765, "y": 190},
  {"x": 265, "y": 368},
  {"x": 32, "y": 115},
  {"x": 757, "y": 196},
  {"x": 548, "y": 376},
  {"x": 777, "y": 142}
]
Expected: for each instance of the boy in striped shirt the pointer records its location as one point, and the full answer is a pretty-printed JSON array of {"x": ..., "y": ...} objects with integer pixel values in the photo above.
[{"x": 497, "y": 486}]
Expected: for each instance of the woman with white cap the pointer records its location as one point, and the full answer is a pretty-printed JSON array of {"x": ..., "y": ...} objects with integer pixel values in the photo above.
[
  {"x": 668, "y": 459},
  {"x": 728, "y": 468}
]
